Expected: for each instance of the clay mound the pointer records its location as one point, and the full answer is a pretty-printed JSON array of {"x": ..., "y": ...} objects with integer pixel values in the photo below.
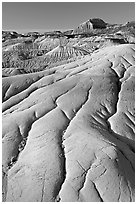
[
  {"x": 68, "y": 132},
  {"x": 65, "y": 52},
  {"x": 49, "y": 43},
  {"x": 9, "y": 35},
  {"x": 11, "y": 48},
  {"x": 129, "y": 24}
]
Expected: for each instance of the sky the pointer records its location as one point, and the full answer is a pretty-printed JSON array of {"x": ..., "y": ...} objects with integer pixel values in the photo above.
[{"x": 40, "y": 16}]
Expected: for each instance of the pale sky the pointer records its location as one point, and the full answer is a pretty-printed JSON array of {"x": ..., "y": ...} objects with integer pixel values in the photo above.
[{"x": 37, "y": 16}]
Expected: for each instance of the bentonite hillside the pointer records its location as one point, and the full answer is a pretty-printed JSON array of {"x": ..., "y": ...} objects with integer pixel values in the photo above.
[{"x": 68, "y": 114}]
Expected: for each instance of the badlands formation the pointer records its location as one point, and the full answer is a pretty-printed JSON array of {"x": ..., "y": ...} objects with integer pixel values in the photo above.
[{"x": 68, "y": 115}]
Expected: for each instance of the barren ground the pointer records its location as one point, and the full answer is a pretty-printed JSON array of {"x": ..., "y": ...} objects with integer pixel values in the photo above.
[{"x": 68, "y": 131}]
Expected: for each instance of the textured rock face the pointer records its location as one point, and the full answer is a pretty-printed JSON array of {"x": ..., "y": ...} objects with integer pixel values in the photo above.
[
  {"x": 84, "y": 28},
  {"x": 98, "y": 23},
  {"x": 68, "y": 132},
  {"x": 89, "y": 25}
]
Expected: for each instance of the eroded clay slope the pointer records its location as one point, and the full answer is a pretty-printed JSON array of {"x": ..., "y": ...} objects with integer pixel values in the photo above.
[{"x": 68, "y": 132}]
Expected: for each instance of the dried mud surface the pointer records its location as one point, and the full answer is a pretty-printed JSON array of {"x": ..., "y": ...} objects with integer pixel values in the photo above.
[{"x": 68, "y": 132}]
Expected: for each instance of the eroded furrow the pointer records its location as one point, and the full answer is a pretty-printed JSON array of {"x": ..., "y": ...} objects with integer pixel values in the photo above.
[
  {"x": 65, "y": 132},
  {"x": 23, "y": 95},
  {"x": 59, "y": 140},
  {"x": 21, "y": 144},
  {"x": 129, "y": 143},
  {"x": 101, "y": 199}
]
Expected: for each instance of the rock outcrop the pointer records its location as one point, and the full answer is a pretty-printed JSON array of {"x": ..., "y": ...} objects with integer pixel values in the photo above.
[
  {"x": 98, "y": 23},
  {"x": 89, "y": 25}
]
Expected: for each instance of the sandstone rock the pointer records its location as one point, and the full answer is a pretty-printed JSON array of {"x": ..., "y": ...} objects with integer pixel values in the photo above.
[
  {"x": 89, "y": 25},
  {"x": 98, "y": 23}
]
